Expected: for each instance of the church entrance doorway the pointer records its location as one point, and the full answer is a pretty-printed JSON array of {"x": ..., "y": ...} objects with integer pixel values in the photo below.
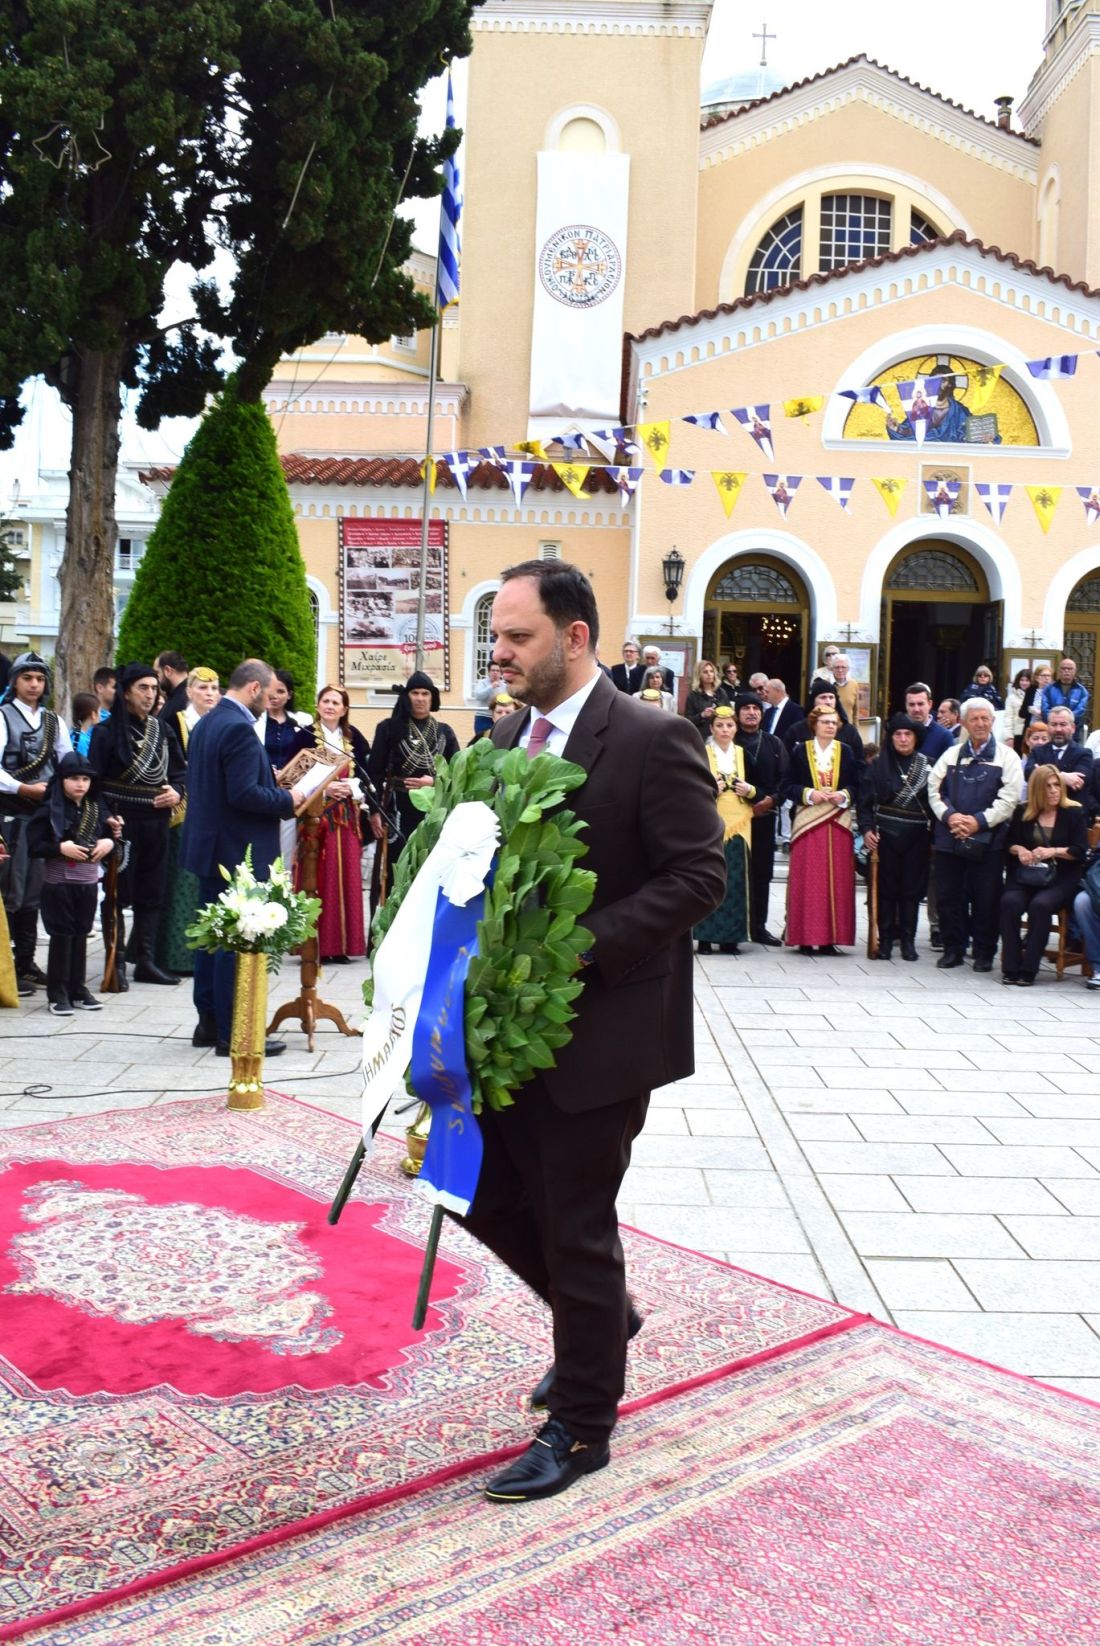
[
  {"x": 1083, "y": 631},
  {"x": 757, "y": 615},
  {"x": 938, "y": 624}
]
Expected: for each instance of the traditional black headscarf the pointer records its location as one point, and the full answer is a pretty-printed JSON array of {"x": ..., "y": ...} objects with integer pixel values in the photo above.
[
  {"x": 121, "y": 730},
  {"x": 819, "y": 689},
  {"x": 887, "y": 774},
  {"x": 72, "y": 765},
  {"x": 419, "y": 681},
  {"x": 749, "y": 700}
]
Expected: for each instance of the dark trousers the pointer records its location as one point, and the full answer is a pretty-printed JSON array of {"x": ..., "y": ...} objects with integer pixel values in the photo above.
[
  {"x": 215, "y": 974},
  {"x": 902, "y": 881},
  {"x": 141, "y": 884},
  {"x": 1040, "y": 904},
  {"x": 968, "y": 894},
  {"x": 68, "y": 914},
  {"x": 545, "y": 1204},
  {"x": 761, "y": 870}
]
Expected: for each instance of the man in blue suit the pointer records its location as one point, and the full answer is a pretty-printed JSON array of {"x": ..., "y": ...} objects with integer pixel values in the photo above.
[{"x": 233, "y": 802}]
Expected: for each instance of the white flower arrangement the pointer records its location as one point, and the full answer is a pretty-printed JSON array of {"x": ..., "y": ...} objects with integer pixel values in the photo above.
[{"x": 256, "y": 916}]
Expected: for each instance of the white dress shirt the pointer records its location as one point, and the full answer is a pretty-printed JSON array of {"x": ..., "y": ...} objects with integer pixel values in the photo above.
[
  {"x": 562, "y": 719},
  {"x": 33, "y": 717}
]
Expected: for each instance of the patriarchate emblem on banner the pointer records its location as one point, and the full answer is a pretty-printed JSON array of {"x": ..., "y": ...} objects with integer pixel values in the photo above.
[
  {"x": 580, "y": 266},
  {"x": 890, "y": 488},
  {"x": 917, "y": 399},
  {"x": 943, "y": 495},
  {"x": 995, "y": 497},
  {"x": 757, "y": 422},
  {"x": 804, "y": 406},
  {"x": 839, "y": 487},
  {"x": 654, "y": 438},
  {"x": 729, "y": 483},
  {"x": 1044, "y": 500},
  {"x": 983, "y": 380},
  {"x": 573, "y": 476},
  {"x": 1090, "y": 497},
  {"x": 782, "y": 488},
  {"x": 706, "y": 420},
  {"x": 677, "y": 477}
]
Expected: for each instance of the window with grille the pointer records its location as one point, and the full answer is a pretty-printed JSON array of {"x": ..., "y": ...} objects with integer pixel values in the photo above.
[
  {"x": 777, "y": 260},
  {"x": 920, "y": 229},
  {"x": 483, "y": 635},
  {"x": 853, "y": 227}
]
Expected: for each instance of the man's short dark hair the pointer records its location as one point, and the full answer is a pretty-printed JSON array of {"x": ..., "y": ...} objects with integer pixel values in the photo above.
[
  {"x": 252, "y": 670},
  {"x": 174, "y": 661},
  {"x": 104, "y": 676},
  {"x": 917, "y": 687},
  {"x": 953, "y": 704},
  {"x": 564, "y": 592}
]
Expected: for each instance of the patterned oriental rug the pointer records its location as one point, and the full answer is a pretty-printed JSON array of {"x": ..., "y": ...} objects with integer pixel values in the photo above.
[
  {"x": 865, "y": 1490},
  {"x": 193, "y": 1364}
]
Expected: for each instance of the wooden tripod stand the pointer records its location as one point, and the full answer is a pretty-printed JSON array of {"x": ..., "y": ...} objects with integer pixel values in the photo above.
[{"x": 306, "y": 1007}]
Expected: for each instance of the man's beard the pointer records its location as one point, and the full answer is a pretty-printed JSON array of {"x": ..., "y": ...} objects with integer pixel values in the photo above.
[{"x": 543, "y": 683}]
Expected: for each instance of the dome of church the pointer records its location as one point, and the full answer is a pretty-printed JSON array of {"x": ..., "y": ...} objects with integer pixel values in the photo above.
[{"x": 722, "y": 96}]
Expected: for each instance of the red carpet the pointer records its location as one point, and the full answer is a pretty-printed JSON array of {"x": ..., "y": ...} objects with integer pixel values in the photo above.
[
  {"x": 865, "y": 1490},
  {"x": 196, "y": 1364}
]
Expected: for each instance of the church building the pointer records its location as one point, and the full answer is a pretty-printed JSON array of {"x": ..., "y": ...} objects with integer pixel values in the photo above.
[{"x": 834, "y": 344}]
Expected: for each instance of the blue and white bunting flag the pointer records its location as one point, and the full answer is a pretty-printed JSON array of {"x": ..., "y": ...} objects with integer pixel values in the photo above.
[
  {"x": 782, "y": 488},
  {"x": 917, "y": 399},
  {"x": 1090, "y": 497},
  {"x": 519, "y": 475},
  {"x": 943, "y": 495},
  {"x": 574, "y": 442},
  {"x": 838, "y": 487},
  {"x": 1054, "y": 365},
  {"x": 871, "y": 396},
  {"x": 450, "y": 215},
  {"x": 677, "y": 477},
  {"x": 995, "y": 497},
  {"x": 706, "y": 420},
  {"x": 459, "y": 465},
  {"x": 496, "y": 455},
  {"x": 626, "y": 479},
  {"x": 757, "y": 422}
]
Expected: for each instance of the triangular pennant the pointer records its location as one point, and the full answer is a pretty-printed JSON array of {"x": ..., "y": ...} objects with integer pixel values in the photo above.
[
  {"x": 983, "y": 380},
  {"x": 839, "y": 487},
  {"x": 519, "y": 477},
  {"x": 890, "y": 489},
  {"x": 757, "y": 422},
  {"x": 574, "y": 442},
  {"x": 573, "y": 476},
  {"x": 943, "y": 495},
  {"x": 706, "y": 420},
  {"x": 653, "y": 437},
  {"x": 729, "y": 483},
  {"x": 626, "y": 479},
  {"x": 1090, "y": 497},
  {"x": 626, "y": 437},
  {"x": 458, "y": 465},
  {"x": 782, "y": 488},
  {"x": 532, "y": 448},
  {"x": 1053, "y": 365},
  {"x": 1044, "y": 500},
  {"x": 677, "y": 477},
  {"x": 429, "y": 464},
  {"x": 995, "y": 497},
  {"x": 870, "y": 396},
  {"x": 804, "y": 406},
  {"x": 492, "y": 454},
  {"x": 917, "y": 398}
]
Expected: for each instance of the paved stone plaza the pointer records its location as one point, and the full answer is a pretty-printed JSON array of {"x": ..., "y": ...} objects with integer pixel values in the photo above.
[{"x": 920, "y": 1145}]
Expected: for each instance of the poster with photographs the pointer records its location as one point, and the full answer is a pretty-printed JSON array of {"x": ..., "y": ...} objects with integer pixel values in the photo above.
[{"x": 379, "y": 582}]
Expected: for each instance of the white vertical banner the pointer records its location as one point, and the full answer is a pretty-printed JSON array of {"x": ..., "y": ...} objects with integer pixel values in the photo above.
[{"x": 580, "y": 276}]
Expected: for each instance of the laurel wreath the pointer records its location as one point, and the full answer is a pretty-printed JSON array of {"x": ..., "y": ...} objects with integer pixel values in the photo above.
[{"x": 521, "y": 983}]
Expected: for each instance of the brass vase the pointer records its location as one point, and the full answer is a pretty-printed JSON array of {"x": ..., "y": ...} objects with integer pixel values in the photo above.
[
  {"x": 416, "y": 1141},
  {"x": 246, "y": 1045}
]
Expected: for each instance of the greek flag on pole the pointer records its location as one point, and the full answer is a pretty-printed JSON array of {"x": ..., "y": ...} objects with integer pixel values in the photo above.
[
  {"x": 450, "y": 213},
  {"x": 995, "y": 497},
  {"x": 1054, "y": 365}
]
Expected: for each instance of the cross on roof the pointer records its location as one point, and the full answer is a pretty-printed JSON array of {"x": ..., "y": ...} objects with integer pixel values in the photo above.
[{"x": 763, "y": 38}]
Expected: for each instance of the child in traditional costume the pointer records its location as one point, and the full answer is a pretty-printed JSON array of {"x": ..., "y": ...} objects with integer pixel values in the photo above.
[{"x": 74, "y": 836}]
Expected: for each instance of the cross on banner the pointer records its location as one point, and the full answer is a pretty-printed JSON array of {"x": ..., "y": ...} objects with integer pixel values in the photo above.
[
  {"x": 578, "y": 266},
  {"x": 763, "y": 38}
]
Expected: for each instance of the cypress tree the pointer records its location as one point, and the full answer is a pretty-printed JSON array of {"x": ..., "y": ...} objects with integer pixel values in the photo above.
[{"x": 222, "y": 577}]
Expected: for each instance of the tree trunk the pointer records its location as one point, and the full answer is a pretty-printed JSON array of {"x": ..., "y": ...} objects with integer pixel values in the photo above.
[{"x": 86, "y": 634}]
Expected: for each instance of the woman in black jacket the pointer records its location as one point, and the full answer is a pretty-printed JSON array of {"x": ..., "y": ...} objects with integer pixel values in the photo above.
[{"x": 1047, "y": 843}]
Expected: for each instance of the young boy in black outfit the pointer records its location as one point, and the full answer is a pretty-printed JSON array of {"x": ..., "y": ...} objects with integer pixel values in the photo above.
[{"x": 74, "y": 836}]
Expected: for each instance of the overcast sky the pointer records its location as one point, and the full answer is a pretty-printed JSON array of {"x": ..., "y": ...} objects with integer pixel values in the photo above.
[{"x": 970, "y": 51}]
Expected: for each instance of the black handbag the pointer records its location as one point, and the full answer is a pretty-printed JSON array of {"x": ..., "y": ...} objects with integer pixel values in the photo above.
[{"x": 1037, "y": 874}]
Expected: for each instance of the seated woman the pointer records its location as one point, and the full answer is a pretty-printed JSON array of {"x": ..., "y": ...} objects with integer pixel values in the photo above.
[
  {"x": 895, "y": 818},
  {"x": 341, "y": 930},
  {"x": 822, "y": 784},
  {"x": 1047, "y": 842},
  {"x": 729, "y": 924}
]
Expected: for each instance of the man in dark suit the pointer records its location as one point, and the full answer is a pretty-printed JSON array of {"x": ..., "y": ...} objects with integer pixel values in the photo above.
[
  {"x": 782, "y": 713},
  {"x": 233, "y": 802},
  {"x": 554, "y": 1161},
  {"x": 627, "y": 676},
  {"x": 1072, "y": 759}
]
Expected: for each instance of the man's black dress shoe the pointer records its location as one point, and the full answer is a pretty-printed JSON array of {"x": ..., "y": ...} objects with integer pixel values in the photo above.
[
  {"x": 983, "y": 965},
  {"x": 908, "y": 949},
  {"x": 540, "y": 1394},
  {"x": 272, "y": 1048},
  {"x": 935, "y": 941},
  {"x": 768, "y": 940},
  {"x": 828, "y": 949},
  {"x": 206, "y": 1030},
  {"x": 948, "y": 959},
  {"x": 553, "y": 1461}
]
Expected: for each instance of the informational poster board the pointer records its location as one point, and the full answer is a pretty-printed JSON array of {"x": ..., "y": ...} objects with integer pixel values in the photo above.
[{"x": 379, "y": 587}]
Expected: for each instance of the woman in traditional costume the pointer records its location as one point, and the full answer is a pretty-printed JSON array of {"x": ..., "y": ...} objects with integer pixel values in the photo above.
[
  {"x": 341, "y": 932},
  {"x": 729, "y": 924},
  {"x": 822, "y": 785},
  {"x": 181, "y": 892},
  {"x": 406, "y": 748},
  {"x": 895, "y": 819}
]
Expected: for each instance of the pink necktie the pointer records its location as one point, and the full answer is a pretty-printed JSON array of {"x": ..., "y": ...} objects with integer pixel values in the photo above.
[{"x": 540, "y": 731}]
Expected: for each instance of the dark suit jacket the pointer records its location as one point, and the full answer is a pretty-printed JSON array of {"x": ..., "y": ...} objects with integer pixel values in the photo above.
[
  {"x": 935, "y": 740},
  {"x": 1075, "y": 758},
  {"x": 627, "y": 680},
  {"x": 233, "y": 800},
  {"x": 655, "y": 844},
  {"x": 790, "y": 716}
]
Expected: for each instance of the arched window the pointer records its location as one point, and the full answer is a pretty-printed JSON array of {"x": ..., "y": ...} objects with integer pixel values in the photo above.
[
  {"x": 853, "y": 227},
  {"x": 483, "y": 635},
  {"x": 777, "y": 260},
  {"x": 921, "y": 229}
]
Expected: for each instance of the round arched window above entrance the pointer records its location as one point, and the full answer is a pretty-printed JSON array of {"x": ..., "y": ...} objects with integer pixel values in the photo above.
[
  {"x": 757, "y": 615},
  {"x": 1082, "y": 640},
  {"x": 938, "y": 623}
]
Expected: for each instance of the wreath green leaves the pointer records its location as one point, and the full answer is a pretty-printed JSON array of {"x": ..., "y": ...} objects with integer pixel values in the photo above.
[{"x": 521, "y": 983}]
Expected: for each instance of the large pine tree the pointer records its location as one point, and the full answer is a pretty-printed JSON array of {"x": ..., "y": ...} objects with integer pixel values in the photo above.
[{"x": 222, "y": 577}]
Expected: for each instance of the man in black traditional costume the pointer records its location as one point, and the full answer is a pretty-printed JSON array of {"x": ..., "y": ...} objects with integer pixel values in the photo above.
[{"x": 33, "y": 739}]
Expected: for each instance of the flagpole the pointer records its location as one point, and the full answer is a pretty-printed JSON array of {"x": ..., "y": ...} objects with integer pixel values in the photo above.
[{"x": 426, "y": 499}]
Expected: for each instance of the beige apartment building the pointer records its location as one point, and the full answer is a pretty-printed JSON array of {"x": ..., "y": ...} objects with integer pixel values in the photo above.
[{"x": 630, "y": 258}]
